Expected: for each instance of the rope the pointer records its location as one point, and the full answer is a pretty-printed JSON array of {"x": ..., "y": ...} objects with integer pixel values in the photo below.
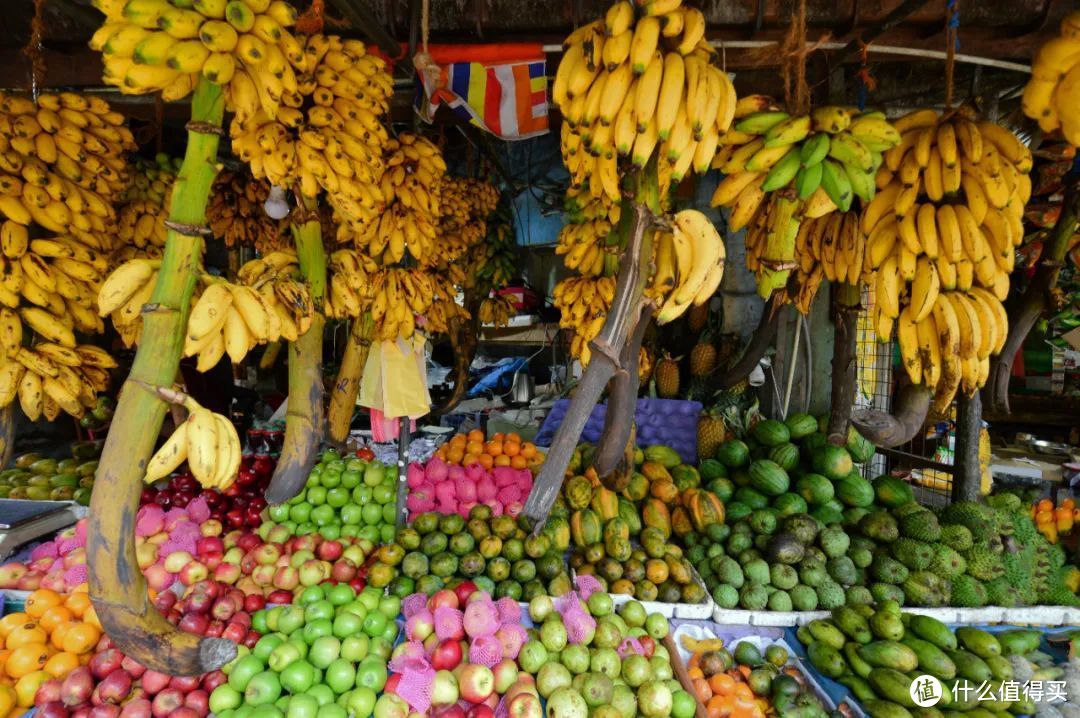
[
  {"x": 422, "y": 60},
  {"x": 33, "y": 49},
  {"x": 952, "y": 44},
  {"x": 867, "y": 83},
  {"x": 794, "y": 51}
]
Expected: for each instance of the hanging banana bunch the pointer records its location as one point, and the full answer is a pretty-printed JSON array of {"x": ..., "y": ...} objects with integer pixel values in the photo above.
[
  {"x": 493, "y": 263},
  {"x": 400, "y": 296},
  {"x": 583, "y": 304},
  {"x": 236, "y": 215},
  {"x": 444, "y": 306},
  {"x": 152, "y": 45},
  {"x": 466, "y": 204},
  {"x": 1052, "y": 95},
  {"x": 207, "y": 441},
  {"x": 141, "y": 221},
  {"x": 829, "y": 247},
  {"x": 327, "y": 134},
  {"x": 940, "y": 239},
  {"x": 49, "y": 377},
  {"x": 350, "y": 286}
]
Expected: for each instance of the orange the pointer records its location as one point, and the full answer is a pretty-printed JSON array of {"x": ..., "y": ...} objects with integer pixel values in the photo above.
[
  {"x": 470, "y": 459},
  {"x": 91, "y": 617},
  {"x": 722, "y": 684},
  {"x": 41, "y": 601},
  {"x": 455, "y": 456},
  {"x": 499, "y": 436},
  {"x": 56, "y": 639},
  {"x": 701, "y": 688},
  {"x": 27, "y": 686},
  {"x": 516, "y": 438},
  {"x": 474, "y": 447},
  {"x": 493, "y": 448},
  {"x": 716, "y": 706},
  {"x": 476, "y": 435},
  {"x": 743, "y": 692},
  {"x": 511, "y": 448},
  {"x": 11, "y": 621},
  {"x": 78, "y": 603},
  {"x": 502, "y": 460},
  {"x": 54, "y": 617},
  {"x": 24, "y": 660},
  {"x": 61, "y": 664},
  {"x": 29, "y": 632},
  {"x": 528, "y": 449},
  {"x": 81, "y": 638},
  {"x": 519, "y": 462},
  {"x": 487, "y": 461}
]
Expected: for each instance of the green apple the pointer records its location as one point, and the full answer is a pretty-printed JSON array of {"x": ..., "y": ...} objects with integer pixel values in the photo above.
[
  {"x": 260, "y": 620},
  {"x": 346, "y": 624},
  {"x": 225, "y": 698},
  {"x": 340, "y": 675},
  {"x": 291, "y": 618},
  {"x": 355, "y": 647},
  {"x": 323, "y": 515},
  {"x": 390, "y": 606},
  {"x": 350, "y": 479},
  {"x": 243, "y": 671},
  {"x": 303, "y": 706},
  {"x": 350, "y": 514},
  {"x": 331, "y": 479},
  {"x": 341, "y": 595},
  {"x": 374, "y": 623},
  {"x": 356, "y": 608},
  {"x": 284, "y": 655},
  {"x": 266, "y": 646},
  {"x": 338, "y": 496},
  {"x": 300, "y": 512},
  {"x": 372, "y": 514},
  {"x": 371, "y": 673},
  {"x": 361, "y": 702},
  {"x": 298, "y": 677},
  {"x": 322, "y": 693},
  {"x": 319, "y": 609},
  {"x": 267, "y": 711},
  {"x": 263, "y": 689},
  {"x": 324, "y": 651},
  {"x": 361, "y": 495},
  {"x": 332, "y": 710},
  {"x": 311, "y": 594},
  {"x": 317, "y": 629}
]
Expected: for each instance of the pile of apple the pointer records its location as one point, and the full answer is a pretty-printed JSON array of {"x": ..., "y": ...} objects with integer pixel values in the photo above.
[
  {"x": 466, "y": 643},
  {"x": 113, "y": 685},
  {"x": 239, "y": 506},
  {"x": 324, "y": 656},
  {"x": 343, "y": 498},
  {"x": 277, "y": 565},
  {"x": 451, "y": 489}
]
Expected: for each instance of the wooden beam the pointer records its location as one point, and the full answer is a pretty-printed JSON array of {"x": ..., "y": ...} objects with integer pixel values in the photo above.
[
  {"x": 362, "y": 19},
  {"x": 867, "y": 34}
]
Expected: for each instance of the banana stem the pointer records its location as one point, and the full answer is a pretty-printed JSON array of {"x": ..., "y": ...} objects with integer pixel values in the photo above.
[
  {"x": 304, "y": 422},
  {"x": 845, "y": 318},
  {"x": 117, "y": 586},
  {"x": 347, "y": 385},
  {"x": 7, "y": 433},
  {"x": 464, "y": 337}
]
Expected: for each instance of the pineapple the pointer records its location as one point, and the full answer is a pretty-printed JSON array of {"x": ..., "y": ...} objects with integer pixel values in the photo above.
[
  {"x": 666, "y": 375},
  {"x": 645, "y": 365},
  {"x": 711, "y": 432},
  {"x": 703, "y": 358},
  {"x": 697, "y": 317}
]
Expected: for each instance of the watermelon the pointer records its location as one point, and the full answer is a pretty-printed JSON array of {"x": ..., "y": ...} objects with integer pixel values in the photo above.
[
  {"x": 710, "y": 469},
  {"x": 785, "y": 455},
  {"x": 771, "y": 432},
  {"x": 751, "y": 498},
  {"x": 812, "y": 442},
  {"x": 723, "y": 488},
  {"x": 736, "y": 510},
  {"x": 827, "y": 515},
  {"x": 789, "y": 503},
  {"x": 768, "y": 477},
  {"x": 800, "y": 425},
  {"x": 832, "y": 462},
  {"x": 860, "y": 449},
  {"x": 892, "y": 492},
  {"x": 815, "y": 488},
  {"x": 854, "y": 490},
  {"x": 733, "y": 454}
]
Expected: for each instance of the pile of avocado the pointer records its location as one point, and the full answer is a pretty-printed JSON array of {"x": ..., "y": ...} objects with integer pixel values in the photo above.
[{"x": 40, "y": 479}]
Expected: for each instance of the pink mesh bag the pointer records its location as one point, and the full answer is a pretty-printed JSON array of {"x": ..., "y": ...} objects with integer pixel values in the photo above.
[
  {"x": 198, "y": 510},
  {"x": 448, "y": 622},
  {"x": 580, "y": 626},
  {"x": 502, "y": 710},
  {"x": 481, "y": 618},
  {"x": 587, "y": 585},
  {"x": 413, "y": 603},
  {"x": 417, "y": 678},
  {"x": 76, "y": 575},
  {"x": 630, "y": 646},
  {"x": 49, "y": 549},
  {"x": 509, "y": 610},
  {"x": 512, "y": 636},
  {"x": 485, "y": 651}
]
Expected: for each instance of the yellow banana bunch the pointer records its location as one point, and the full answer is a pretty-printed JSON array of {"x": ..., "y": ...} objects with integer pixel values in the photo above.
[
  {"x": 232, "y": 319},
  {"x": 444, "y": 307},
  {"x": 325, "y": 132},
  {"x": 771, "y": 243},
  {"x": 207, "y": 441},
  {"x": 165, "y": 45},
  {"x": 123, "y": 294},
  {"x": 466, "y": 204},
  {"x": 49, "y": 377},
  {"x": 236, "y": 214},
  {"x": 399, "y": 296},
  {"x": 141, "y": 221},
  {"x": 636, "y": 84},
  {"x": 830, "y": 247},
  {"x": 828, "y": 158},
  {"x": 493, "y": 263},
  {"x": 583, "y": 303},
  {"x": 1052, "y": 95},
  {"x": 496, "y": 311},
  {"x": 698, "y": 264}
]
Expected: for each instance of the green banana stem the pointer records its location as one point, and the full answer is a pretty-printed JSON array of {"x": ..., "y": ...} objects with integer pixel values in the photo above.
[
  {"x": 779, "y": 256},
  {"x": 347, "y": 385},
  {"x": 304, "y": 422},
  {"x": 117, "y": 586}
]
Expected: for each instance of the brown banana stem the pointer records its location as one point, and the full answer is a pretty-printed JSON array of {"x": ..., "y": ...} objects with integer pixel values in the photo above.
[
  {"x": 622, "y": 403},
  {"x": 7, "y": 433},
  {"x": 759, "y": 343},
  {"x": 890, "y": 430},
  {"x": 967, "y": 474},
  {"x": 117, "y": 586},
  {"x": 347, "y": 384},
  {"x": 845, "y": 319},
  {"x": 464, "y": 336},
  {"x": 304, "y": 419},
  {"x": 1025, "y": 310}
]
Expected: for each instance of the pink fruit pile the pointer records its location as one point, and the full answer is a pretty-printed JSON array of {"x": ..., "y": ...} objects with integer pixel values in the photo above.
[
  {"x": 465, "y": 646},
  {"x": 238, "y": 506},
  {"x": 58, "y": 565},
  {"x": 450, "y": 489},
  {"x": 113, "y": 685}
]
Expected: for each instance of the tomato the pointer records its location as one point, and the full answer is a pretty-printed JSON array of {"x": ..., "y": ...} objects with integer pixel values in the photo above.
[{"x": 366, "y": 454}]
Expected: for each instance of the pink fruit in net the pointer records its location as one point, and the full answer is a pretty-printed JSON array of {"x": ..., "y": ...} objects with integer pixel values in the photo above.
[
  {"x": 77, "y": 575},
  {"x": 449, "y": 623},
  {"x": 412, "y": 503},
  {"x": 475, "y": 472},
  {"x": 414, "y": 475},
  {"x": 508, "y": 495},
  {"x": 446, "y": 491},
  {"x": 514, "y": 509},
  {"x": 587, "y": 585},
  {"x": 466, "y": 490},
  {"x": 410, "y": 653},
  {"x": 508, "y": 609},
  {"x": 419, "y": 625},
  {"x": 446, "y": 506},
  {"x": 425, "y": 505},
  {"x": 45, "y": 550},
  {"x": 580, "y": 626},
  {"x": 149, "y": 520},
  {"x": 511, "y": 637},
  {"x": 413, "y": 604},
  {"x": 503, "y": 475},
  {"x": 198, "y": 510},
  {"x": 175, "y": 516},
  {"x": 455, "y": 472},
  {"x": 437, "y": 470},
  {"x": 481, "y": 618},
  {"x": 485, "y": 650},
  {"x": 485, "y": 490}
]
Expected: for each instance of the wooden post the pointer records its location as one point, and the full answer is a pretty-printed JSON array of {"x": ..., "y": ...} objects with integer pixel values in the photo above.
[
  {"x": 967, "y": 473},
  {"x": 846, "y": 298},
  {"x": 117, "y": 586},
  {"x": 402, "y": 469}
]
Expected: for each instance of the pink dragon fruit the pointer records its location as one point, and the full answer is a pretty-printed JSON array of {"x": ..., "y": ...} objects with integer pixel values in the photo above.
[
  {"x": 414, "y": 475},
  {"x": 496, "y": 507},
  {"x": 436, "y": 470},
  {"x": 508, "y": 494},
  {"x": 475, "y": 472}
]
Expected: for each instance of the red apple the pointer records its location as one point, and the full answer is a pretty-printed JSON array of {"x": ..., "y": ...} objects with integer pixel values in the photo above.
[
  {"x": 194, "y": 623},
  {"x": 451, "y": 711},
  {"x": 330, "y": 550},
  {"x": 286, "y": 578},
  {"x": 198, "y": 701},
  {"x": 279, "y": 597},
  {"x": 52, "y": 709},
  {"x": 648, "y": 645},
  {"x": 224, "y": 608},
  {"x": 463, "y": 590},
  {"x": 311, "y": 573},
  {"x": 184, "y": 684},
  {"x": 211, "y": 527},
  {"x": 263, "y": 575},
  {"x": 166, "y": 702},
  {"x": 193, "y": 572},
  {"x": 212, "y": 680},
  {"x": 392, "y": 683},
  {"x": 234, "y": 555},
  {"x": 115, "y": 687},
  {"x": 209, "y": 543},
  {"x": 525, "y": 705},
  {"x": 30, "y": 581},
  {"x": 49, "y": 691},
  {"x": 248, "y": 541},
  {"x": 154, "y": 682},
  {"x": 444, "y": 690},
  {"x": 506, "y": 674},
  {"x": 268, "y": 553},
  {"x": 212, "y": 559},
  {"x": 214, "y": 629},
  {"x": 343, "y": 570},
  {"x": 227, "y": 573},
  {"x": 105, "y": 710},
  {"x": 476, "y": 682},
  {"x": 447, "y": 655},
  {"x": 104, "y": 663},
  {"x": 248, "y": 563},
  {"x": 234, "y": 632},
  {"x": 133, "y": 667},
  {"x": 136, "y": 708},
  {"x": 443, "y": 597},
  {"x": 481, "y": 711},
  {"x": 254, "y": 603},
  {"x": 81, "y": 712}
]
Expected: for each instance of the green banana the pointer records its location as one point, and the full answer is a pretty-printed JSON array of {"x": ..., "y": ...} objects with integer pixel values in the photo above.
[
  {"x": 760, "y": 122},
  {"x": 808, "y": 179},
  {"x": 876, "y": 134},
  {"x": 862, "y": 183},
  {"x": 788, "y": 132},
  {"x": 814, "y": 150},
  {"x": 836, "y": 184},
  {"x": 782, "y": 172},
  {"x": 848, "y": 150}
]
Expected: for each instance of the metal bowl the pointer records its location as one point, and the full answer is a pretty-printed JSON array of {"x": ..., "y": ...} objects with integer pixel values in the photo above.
[{"x": 1051, "y": 448}]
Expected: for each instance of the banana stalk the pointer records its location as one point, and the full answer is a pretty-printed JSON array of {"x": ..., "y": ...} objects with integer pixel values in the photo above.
[
  {"x": 845, "y": 318},
  {"x": 347, "y": 385},
  {"x": 759, "y": 343},
  {"x": 967, "y": 473},
  {"x": 7, "y": 433},
  {"x": 627, "y": 311},
  {"x": 779, "y": 257},
  {"x": 907, "y": 418},
  {"x": 304, "y": 422},
  {"x": 464, "y": 337},
  {"x": 117, "y": 587},
  {"x": 1024, "y": 311}
]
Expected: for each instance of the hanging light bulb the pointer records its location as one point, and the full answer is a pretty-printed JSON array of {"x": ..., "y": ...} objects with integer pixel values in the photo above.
[{"x": 275, "y": 205}]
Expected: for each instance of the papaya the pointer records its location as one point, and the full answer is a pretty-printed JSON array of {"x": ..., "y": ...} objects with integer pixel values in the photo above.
[
  {"x": 629, "y": 513},
  {"x": 654, "y": 471},
  {"x": 557, "y": 530},
  {"x": 663, "y": 455},
  {"x": 705, "y": 509},
  {"x": 578, "y": 492},
  {"x": 655, "y": 514},
  {"x": 685, "y": 477},
  {"x": 680, "y": 522},
  {"x": 585, "y": 527},
  {"x": 638, "y": 488},
  {"x": 605, "y": 503},
  {"x": 890, "y": 654},
  {"x": 664, "y": 490}
]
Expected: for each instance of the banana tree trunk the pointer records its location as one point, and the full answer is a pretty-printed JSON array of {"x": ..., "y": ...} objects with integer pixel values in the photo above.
[
  {"x": 845, "y": 318},
  {"x": 967, "y": 473},
  {"x": 464, "y": 339},
  {"x": 1025, "y": 310},
  {"x": 304, "y": 420},
  {"x": 7, "y": 433},
  {"x": 347, "y": 385},
  {"x": 117, "y": 586},
  {"x": 907, "y": 418},
  {"x": 615, "y": 443}
]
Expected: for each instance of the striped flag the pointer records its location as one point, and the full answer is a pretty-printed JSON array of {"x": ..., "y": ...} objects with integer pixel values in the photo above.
[{"x": 500, "y": 88}]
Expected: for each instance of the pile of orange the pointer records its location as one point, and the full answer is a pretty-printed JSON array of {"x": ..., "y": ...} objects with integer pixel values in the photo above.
[
  {"x": 1052, "y": 521},
  {"x": 500, "y": 450},
  {"x": 49, "y": 638},
  {"x": 727, "y": 694}
]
